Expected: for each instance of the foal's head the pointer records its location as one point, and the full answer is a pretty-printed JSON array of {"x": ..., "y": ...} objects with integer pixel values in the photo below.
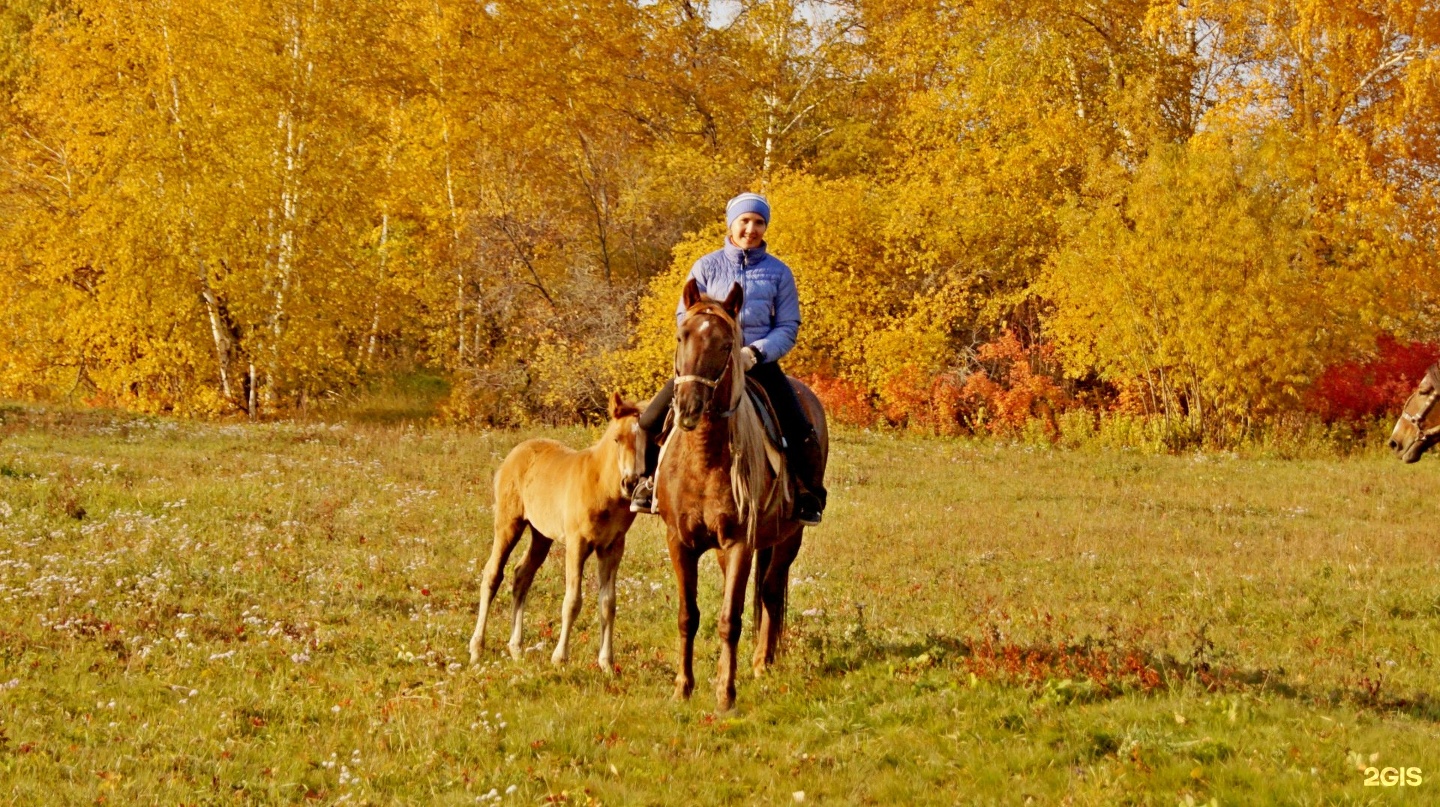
[
  {"x": 707, "y": 356},
  {"x": 626, "y": 442},
  {"x": 1419, "y": 423}
]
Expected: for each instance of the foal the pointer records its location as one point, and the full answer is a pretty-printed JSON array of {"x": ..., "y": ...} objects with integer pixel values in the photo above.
[{"x": 581, "y": 498}]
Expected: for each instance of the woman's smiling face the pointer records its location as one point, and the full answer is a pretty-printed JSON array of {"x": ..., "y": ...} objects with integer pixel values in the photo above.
[{"x": 747, "y": 231}]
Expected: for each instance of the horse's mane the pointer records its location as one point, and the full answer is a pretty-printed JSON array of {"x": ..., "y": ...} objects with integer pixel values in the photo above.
[
  {"x": 750, "y": 461},
  {"x": 749, "y": 464}
]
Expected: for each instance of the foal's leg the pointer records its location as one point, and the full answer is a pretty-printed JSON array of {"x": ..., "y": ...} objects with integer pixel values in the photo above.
[
  {"x": 686, "y": 562},
  {"x": 524, "y": 576},
  {"x": 577, "y": 551},
  {"x": 508, "y": 530},
  {"x": 773, "y": 590},
  {"x": 609, "y": 565},
  {"x": 736, "y": 562}
]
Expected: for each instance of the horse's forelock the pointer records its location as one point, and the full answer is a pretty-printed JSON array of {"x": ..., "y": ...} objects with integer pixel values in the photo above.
[{"x": 708, "y": 306}]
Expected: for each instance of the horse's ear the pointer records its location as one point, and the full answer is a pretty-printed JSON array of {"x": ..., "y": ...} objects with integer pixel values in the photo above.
[
  {"x": 691, "y": 295},
  {"x": 734, "y": 300},
  {"x": 621, "y": 408}
]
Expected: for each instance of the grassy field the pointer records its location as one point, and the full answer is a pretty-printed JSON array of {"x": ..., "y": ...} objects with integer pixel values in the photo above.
[{"x": 274, "y": 613}]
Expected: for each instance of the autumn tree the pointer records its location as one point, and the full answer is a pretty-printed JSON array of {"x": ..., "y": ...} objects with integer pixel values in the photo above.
[{"x": 225, "y": 208}]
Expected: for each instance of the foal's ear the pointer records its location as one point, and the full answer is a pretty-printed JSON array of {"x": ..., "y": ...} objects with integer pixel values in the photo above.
[
  {"x": 734, "y": 300},
  {"x": 621, "y": 408},
  {"x": 692, "y": 294}
]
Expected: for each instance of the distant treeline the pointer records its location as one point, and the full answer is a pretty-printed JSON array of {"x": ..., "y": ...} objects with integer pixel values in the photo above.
[{"x": 1178, "y": 209}]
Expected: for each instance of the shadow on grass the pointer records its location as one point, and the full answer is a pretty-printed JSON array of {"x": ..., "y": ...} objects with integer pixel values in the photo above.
[
  {"x": 17, "y": 418},
  {"x": 1087, "y": 670},
  {"x": 389, "y": 400}
]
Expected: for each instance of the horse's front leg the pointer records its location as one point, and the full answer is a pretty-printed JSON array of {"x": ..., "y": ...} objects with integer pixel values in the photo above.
[
  {"x": 577, "y": 550},
  {"x": 736, "y": 560},
  {"x": 686, "y": 562}
]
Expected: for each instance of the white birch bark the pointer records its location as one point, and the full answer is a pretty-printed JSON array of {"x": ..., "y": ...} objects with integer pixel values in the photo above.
[
  {"x": 375, "y": 305},
  {"x": 218, "y": 333},
  {"x": 457, "y": 265},
  {"x": 301, "y": 71}
]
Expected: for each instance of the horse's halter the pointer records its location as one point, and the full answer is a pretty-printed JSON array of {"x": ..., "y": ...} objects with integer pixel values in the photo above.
[
  {"x": 1418, "y": 419},
  {"x": 712, "y": 383}
]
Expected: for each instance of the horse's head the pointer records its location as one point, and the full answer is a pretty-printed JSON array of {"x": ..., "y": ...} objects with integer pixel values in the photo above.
[
  {"x": 708, "y": 372},
  {"x": 1419, "y": 423},
  {"x": 627, "y": 441}
]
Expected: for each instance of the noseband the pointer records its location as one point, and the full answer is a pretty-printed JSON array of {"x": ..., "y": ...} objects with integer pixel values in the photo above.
[
  {"x": 712, "y": 383},
  {"x": 1418, "y": 419}
]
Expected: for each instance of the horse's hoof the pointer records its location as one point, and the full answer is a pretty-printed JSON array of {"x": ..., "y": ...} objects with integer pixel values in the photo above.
[
  {"x": 557, "y": 659},
  {"x": 516, "y": 652},
  {"x": 724, "y": 701},
  {"x": 474, "y": 656},
  {"x": 607, "y": 666},
  {"x": 682, "y": 691}
]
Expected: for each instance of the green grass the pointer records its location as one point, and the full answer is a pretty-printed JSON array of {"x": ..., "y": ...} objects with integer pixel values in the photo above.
[
  {"x": 389, "y": 400},
  {"x": 204, "y": 613}
]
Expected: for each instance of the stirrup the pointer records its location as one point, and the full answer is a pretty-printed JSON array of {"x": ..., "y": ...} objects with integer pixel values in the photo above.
[{"x": 643, "y": 499}]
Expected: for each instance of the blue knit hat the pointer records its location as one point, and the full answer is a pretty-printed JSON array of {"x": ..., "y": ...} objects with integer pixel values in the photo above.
[{"x": 746, "y": 203}]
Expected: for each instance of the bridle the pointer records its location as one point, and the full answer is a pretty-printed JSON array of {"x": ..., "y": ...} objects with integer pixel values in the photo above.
[
  {"x": 1418, "y": 419},
  {"x": 712, "y": 383}
]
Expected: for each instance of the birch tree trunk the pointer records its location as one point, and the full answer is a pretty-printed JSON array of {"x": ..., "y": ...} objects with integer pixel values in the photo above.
[
  {"x": 374, "y": 337},
  {"x": 301, "y": 71},
  {"x": 457, "y": 265},
  {"x": 218, "y": 332}
]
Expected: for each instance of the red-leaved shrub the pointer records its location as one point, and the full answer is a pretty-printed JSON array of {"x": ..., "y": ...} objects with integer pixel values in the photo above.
[
  {"x": 923, "y": 402},
  {"x": 1003, "y": 404},
  {"x": 1357, "y": 390},
  {"x": 845, "y": 401}
]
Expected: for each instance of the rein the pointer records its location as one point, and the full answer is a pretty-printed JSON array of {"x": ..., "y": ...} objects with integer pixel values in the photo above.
[{"x": 712, "y": 383}]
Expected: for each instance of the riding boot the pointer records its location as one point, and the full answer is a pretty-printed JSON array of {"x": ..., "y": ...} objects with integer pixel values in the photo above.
[
  {"x": 806, "y": 458},
  {"x": 642, "y": 499}
]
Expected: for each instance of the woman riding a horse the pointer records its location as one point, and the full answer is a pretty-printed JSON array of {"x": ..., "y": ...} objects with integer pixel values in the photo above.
[{"x": 770, "y": 320}]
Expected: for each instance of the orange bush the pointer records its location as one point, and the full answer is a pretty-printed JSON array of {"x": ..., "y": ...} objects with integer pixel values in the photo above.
[
  {"x": 922, "y": 402},
  {"x": 1020, "y": 395},
  {"x": 845, "y": 401}
]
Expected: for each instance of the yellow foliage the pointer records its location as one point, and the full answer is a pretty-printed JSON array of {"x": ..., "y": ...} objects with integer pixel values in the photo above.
[
  {"x": 1200, "y": 280},
  {"x": 214, "y": 208}
]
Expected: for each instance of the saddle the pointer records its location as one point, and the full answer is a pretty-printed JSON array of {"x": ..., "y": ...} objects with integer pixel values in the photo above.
[{"x": 768, "y": 418}]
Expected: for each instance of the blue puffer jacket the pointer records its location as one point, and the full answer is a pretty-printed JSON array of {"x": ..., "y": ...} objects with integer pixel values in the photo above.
[{"x": 770, "y": 315}]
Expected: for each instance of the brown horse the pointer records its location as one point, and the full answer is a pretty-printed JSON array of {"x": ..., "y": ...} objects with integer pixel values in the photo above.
[
  {"x": 718, "y": 488},
  {"x": 579, "y": 497},
  {"x": 1419, "y": 425}
]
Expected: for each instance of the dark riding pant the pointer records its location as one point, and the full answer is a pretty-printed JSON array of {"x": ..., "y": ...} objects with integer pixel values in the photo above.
[{"x": 793, "y": 423}]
